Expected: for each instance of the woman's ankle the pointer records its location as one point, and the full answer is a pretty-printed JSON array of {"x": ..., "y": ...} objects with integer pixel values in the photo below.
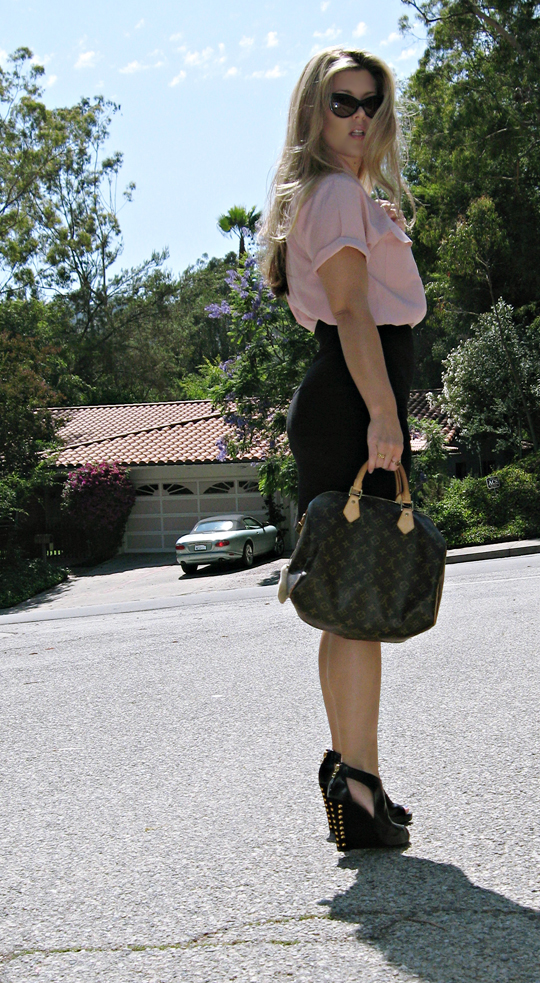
[{"x": 362, "y": 795}]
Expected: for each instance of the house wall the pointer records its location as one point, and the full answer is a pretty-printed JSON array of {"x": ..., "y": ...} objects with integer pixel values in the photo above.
[{"x": 172, "y": 498}]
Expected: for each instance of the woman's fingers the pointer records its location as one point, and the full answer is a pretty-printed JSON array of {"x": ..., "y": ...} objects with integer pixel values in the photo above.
[{"x": 385, "y": 445}]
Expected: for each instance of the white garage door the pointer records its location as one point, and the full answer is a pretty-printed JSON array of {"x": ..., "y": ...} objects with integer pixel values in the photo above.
[{"x": 164, "y": 510}]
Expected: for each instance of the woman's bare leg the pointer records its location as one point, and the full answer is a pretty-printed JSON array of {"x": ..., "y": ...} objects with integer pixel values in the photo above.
[
  {"x": 327, "y": 696},
  {"x": 351, "y": 690}
]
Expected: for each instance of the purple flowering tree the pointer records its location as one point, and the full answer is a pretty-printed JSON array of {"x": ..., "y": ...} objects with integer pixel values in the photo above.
[
  {"x": 96, "y": 501},
  {"x": 257, "y": 384}
]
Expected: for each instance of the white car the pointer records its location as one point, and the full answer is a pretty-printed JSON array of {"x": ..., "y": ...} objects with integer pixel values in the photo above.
[{"x": 225, "y": 539}]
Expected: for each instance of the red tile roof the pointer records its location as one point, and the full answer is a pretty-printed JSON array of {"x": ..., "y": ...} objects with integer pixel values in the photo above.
[
  {"x": 183, "y": 432},
  {"x": 425, "y": 405}
]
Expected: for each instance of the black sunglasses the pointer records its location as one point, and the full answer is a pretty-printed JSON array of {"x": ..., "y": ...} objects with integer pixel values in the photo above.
[{"x": 343, "y": 104}]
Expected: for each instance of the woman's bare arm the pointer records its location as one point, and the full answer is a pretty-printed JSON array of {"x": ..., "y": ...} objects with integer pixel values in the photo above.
[{"x": 344, "y": 278}]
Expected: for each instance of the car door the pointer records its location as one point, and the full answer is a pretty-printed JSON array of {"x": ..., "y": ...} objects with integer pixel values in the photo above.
[{"x": 256, "y": 533}]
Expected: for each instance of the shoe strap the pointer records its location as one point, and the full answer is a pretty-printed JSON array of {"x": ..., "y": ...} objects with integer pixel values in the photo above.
[{"x": 372, "y": 781}]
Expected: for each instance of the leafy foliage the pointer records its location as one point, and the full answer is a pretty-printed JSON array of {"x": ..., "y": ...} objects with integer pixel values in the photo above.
[
  {"x": 471, "y": 514},
  {"x": 257, "y": 384},
  {"x": 238, "y": 221},
  {"x": 97, "y": 499},
  {"x": 474, "y": 103},
  {"x": 21, "y": 578},
  {"x": 429, "y": 476},
  {"x": 480, "y": 392}
]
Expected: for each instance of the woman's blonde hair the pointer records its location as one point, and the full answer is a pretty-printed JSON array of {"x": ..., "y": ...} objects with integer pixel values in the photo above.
[{"x": 306, "y": 157}]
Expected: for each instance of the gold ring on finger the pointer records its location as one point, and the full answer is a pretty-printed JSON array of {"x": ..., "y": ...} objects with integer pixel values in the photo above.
[{"x": 381, "y": 455}]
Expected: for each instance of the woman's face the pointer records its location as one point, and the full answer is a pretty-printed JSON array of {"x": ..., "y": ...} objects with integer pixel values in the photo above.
[{"x": 345, "y": 136}]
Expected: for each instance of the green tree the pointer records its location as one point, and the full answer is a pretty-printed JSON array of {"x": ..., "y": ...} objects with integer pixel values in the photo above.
[
  {"x": 429, "y": 475},
  {"x": 238, "y": 221},
  {"x": 480, "y": 393},
  {"x": 258, "y": 382},
  {"x": 474, "y": 113}
]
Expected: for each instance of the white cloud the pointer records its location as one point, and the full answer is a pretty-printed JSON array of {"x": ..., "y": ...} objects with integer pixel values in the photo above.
[
  {"x": 231, "y": 72},
  {"x": 246, "y": 42},
  {"x": 408, "y": 53},
  {"x": 360, "y": 30},
  {"x": 177, "y": 78},
  {"x": 159, "y": 64},
  {"x": 331, "y": 34},
  {"x": 176, "y": 37},
  {"x": 271, "y": 73},
  {"x": 140, "y": 24},
  {"x": 86, "y": 59},
  {"x": 271, "y": 39},
  {"x": 198, "y": 57},
  {"x": 36, "y": 60},
  {"x": 3, "y": 56},
  {"x": 394, "y": 36},
  {"x": 325, "y": 5},
  {"x": 51, "y": 80},
  {"x": 222, "y": 55},
  {"x": 134, "y": 66}
]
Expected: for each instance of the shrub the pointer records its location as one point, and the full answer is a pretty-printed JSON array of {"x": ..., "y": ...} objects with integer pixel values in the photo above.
[
  {"x": 471, "y": 514},
  {"x": 21, "y": 578},
  {"x": 97, "y": 500}
]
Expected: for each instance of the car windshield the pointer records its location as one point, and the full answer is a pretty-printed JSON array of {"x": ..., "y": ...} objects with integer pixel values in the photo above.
[{"x": 215, "y": 525}]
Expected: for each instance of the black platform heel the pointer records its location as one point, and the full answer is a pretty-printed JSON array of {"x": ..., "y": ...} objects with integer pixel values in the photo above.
[
  {"x": 398, "y": 814},
  {"x": 328, "y": 763},
  {"x": 355, "y": 828}
]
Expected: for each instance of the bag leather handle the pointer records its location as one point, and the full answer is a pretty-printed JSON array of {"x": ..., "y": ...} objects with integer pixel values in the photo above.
[{"x": 403, "y": 497}]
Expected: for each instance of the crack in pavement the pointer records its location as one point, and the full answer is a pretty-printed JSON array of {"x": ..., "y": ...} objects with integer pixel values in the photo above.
[{"x": 204, "y": 939}]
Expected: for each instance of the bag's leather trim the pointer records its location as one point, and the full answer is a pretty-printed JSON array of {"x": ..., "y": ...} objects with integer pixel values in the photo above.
[{"x": 403, "y": 497}]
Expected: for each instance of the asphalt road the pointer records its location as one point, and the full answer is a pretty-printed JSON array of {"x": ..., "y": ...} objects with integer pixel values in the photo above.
[{"x": 160, "y": 816}]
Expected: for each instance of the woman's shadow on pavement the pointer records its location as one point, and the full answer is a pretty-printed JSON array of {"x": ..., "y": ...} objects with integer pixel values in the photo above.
[{"x": 428, "y": 919}]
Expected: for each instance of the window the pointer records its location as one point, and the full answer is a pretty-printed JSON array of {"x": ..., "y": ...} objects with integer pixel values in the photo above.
[
  {"x": 146, "y": 490},
  {"x": 220, "y": 488},
  {"x": 249, "y": 487},
  {"x": 215, "y": 525},
  {"x": 174, "y": 489},
  {"x": 250, "y": 523}
]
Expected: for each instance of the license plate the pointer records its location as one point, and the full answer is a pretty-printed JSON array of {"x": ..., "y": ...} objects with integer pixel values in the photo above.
[{"x": 200, "y": 547}]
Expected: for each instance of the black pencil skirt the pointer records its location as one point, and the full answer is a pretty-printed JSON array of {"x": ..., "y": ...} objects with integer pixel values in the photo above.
[{"x": 328, "y": 420}]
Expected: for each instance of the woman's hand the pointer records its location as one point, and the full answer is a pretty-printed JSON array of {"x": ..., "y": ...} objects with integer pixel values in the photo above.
[
  {"x": 393, "y": 212},
  {"x": 385, "y": 442}
]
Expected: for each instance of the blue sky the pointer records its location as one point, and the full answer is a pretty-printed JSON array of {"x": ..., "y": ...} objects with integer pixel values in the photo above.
[{"x": 203, "y": 86}]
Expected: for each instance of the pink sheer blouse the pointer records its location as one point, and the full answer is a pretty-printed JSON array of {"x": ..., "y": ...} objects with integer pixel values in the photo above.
[{"x": 340, "y": 213}]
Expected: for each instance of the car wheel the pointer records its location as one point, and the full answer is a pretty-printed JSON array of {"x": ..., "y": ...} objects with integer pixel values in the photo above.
[
  {"x": 279, "y": 546},
  {"x": 247, "y": 555},
  {"x": 189, "y": 567}
]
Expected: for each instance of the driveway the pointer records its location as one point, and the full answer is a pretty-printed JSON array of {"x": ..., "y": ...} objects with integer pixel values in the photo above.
[{"x": 147, "y": 577}]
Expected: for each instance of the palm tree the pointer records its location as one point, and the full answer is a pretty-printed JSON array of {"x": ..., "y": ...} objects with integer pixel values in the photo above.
[{"x": 238, "y": 221}]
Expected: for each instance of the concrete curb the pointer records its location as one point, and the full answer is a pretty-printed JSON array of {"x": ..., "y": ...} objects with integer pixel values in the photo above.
[{"x": 493, "y": 551}]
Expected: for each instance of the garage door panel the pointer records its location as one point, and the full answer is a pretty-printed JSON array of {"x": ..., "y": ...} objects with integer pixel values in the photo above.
[
  {"x": 141, "y": 543},
  {"x": 144, "y": 524},
  {"x": 146, "y": 506},
  {"x": 176, "y": 506},
  {"x": 170, "y": 523}
]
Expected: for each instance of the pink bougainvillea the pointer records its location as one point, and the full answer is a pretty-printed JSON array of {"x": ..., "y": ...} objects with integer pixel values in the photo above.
[{"x": 98, "y": 499}]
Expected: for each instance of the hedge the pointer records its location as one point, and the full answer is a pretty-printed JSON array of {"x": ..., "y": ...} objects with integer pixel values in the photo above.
[
  {"x": 21, "y": 579},
  {"x": 470, "y": 514}
]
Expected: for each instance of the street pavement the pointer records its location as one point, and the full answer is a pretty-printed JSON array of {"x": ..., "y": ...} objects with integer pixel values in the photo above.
[{"x": 160, "y": 815}]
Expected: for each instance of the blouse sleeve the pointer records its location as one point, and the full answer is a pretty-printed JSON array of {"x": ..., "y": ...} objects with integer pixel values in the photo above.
[{"x": 336, "y": 217}]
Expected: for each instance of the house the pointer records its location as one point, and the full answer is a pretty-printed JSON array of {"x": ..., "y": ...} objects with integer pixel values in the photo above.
[
  {"x": 175, "y": 455},
  {"x": 173, "y": 451}
]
